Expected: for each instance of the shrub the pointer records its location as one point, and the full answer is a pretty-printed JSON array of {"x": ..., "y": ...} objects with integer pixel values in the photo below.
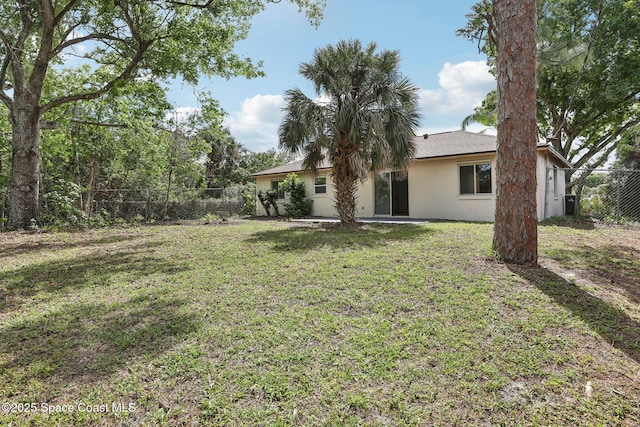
[
  {"x": 59, "y": 206},
  {"x": 264, "y": 201},
  {"x": 249, "y": 202},
  {"x": 297, "y": 205}
]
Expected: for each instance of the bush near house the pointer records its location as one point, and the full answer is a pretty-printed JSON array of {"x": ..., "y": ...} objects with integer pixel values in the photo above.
[{"x": 297, "y": 203}]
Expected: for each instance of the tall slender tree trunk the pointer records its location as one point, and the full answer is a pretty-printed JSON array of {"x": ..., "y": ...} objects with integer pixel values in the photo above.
[
  {"x": 91, "y": 184},
  {"x": 76, "y": 170},
  {"x": 516, "y": 224},
  {"x": 166, "y": 198},
  {"x": 25, "y": 164}
]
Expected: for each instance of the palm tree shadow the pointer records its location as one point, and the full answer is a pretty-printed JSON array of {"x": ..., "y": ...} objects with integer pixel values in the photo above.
[
  {"x": 610, "y": 322},
  {"x": 307, "y": 238}
]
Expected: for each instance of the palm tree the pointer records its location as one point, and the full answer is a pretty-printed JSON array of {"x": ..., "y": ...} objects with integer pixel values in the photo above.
[
  {"x": 486, "y": 114},
  {"x": 363, "y": 121}
]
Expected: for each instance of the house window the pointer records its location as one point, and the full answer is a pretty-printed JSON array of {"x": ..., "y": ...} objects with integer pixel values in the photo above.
[
  {"x": 275, "y": 185},
  {"x": 475, "y": 179},
  {"x": 321, "y": 185}
]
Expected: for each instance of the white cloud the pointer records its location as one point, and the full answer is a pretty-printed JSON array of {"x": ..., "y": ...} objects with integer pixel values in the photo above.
[
  {"x": 181, "y": 114},
  {"x": 256, "y": 124},
  {"x": 462, "y": 87}
]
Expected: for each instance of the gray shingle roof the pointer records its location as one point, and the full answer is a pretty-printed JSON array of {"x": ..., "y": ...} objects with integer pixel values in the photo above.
[
  {"x": 290, "y": 167},
  {"x": 445, "y": 144},
  {"x": 454, "y": 143}
]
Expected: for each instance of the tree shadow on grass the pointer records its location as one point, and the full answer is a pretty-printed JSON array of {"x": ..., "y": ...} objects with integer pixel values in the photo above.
[
  {"x": 26, "y": 245},
  {"x": 608, "y": 265},
  {"x": 95, "y": 269},
  {"x": 577, "y": 222},
  {"x": 306, "y": 238},
  {"x": 610, "y": 322},
  {"x": 84, "y": 342}
]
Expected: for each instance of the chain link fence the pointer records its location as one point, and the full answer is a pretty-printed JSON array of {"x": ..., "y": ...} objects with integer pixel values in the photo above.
[
  {"x": 611, "y": 195},
  {"x": 137, "y": 205},
  {"x": 184, "y": 204}
]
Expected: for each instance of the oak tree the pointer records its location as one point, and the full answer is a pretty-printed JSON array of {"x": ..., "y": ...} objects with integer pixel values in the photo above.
[
  {"x": 121, "y": 40},
  {"x": 588, "y": 89}
]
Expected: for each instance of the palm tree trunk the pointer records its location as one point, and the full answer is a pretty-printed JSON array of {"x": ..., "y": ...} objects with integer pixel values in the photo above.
[{"x": 345, "y": 182}]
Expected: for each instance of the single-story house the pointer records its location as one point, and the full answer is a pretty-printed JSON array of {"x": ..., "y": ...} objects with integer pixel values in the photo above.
[{"x": 451, "y": 177}]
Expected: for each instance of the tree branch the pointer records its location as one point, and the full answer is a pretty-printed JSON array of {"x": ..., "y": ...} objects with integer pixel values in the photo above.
[
  {"x": 41, "y": 63},
  {"x": 5, "y": 63},
  {"x": 124, "y": 75},
  {"x": 57, "y": 18},
  {"x": 195, "y": 4},
  {"x": 95, "y": 36},
  {"x": 92, "y": 123},
  {"x": 585, "y": 61},
  {"x": 597, "y": 146}
]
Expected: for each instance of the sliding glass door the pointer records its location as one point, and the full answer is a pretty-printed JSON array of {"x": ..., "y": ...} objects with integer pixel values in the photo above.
[
  {"x": 383, "y": 194},
  {"x": 391, "y": 194}
]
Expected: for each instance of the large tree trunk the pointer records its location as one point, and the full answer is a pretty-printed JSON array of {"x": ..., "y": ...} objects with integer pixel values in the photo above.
[
  {"x": 516, "y": 224},
  {"x": 25, "y": 165}
]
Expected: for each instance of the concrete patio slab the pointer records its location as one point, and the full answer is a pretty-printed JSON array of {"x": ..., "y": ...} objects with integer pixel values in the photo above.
[{"x": 322, "y": 220}]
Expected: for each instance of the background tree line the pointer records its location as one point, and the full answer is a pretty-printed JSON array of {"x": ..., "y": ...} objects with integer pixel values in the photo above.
[
  {"x": 118, "y": 43},
  {"x": 131, "y": 139}
]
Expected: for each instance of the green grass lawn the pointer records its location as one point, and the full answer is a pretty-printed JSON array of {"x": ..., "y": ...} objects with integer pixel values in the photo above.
[{"x": 272, "y": 323}]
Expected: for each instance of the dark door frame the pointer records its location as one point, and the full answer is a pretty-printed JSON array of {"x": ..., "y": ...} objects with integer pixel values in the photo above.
[{"x": 399, "y": 195}]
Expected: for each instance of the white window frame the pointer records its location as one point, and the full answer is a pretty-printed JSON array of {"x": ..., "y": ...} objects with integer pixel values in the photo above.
[
  {"x": 316, "y": 185},
  {"x": 475, "y": 193},
  {"x": 278, "y": 182}
]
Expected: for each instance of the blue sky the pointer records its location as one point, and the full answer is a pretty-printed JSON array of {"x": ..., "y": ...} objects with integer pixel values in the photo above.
[{"x": 451, "y": 74}]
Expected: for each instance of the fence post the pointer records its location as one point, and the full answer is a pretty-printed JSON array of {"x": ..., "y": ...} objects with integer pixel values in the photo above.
[
  {"x": 618, "y": 191},
  {"x": 147, "y": 208}
]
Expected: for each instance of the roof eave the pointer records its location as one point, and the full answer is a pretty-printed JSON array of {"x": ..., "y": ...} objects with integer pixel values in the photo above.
[
  {"x": 447, "y": 156},
  {"x": 557, "y": 155},
  {"x": 263, "y": 174}
]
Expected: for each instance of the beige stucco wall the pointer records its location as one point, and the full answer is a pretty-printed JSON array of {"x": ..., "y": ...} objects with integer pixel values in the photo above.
[
  {"x": 551, "y": 187},
  {"x": 322, "y": 203},
  {"x": 434, "y": 191}
]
